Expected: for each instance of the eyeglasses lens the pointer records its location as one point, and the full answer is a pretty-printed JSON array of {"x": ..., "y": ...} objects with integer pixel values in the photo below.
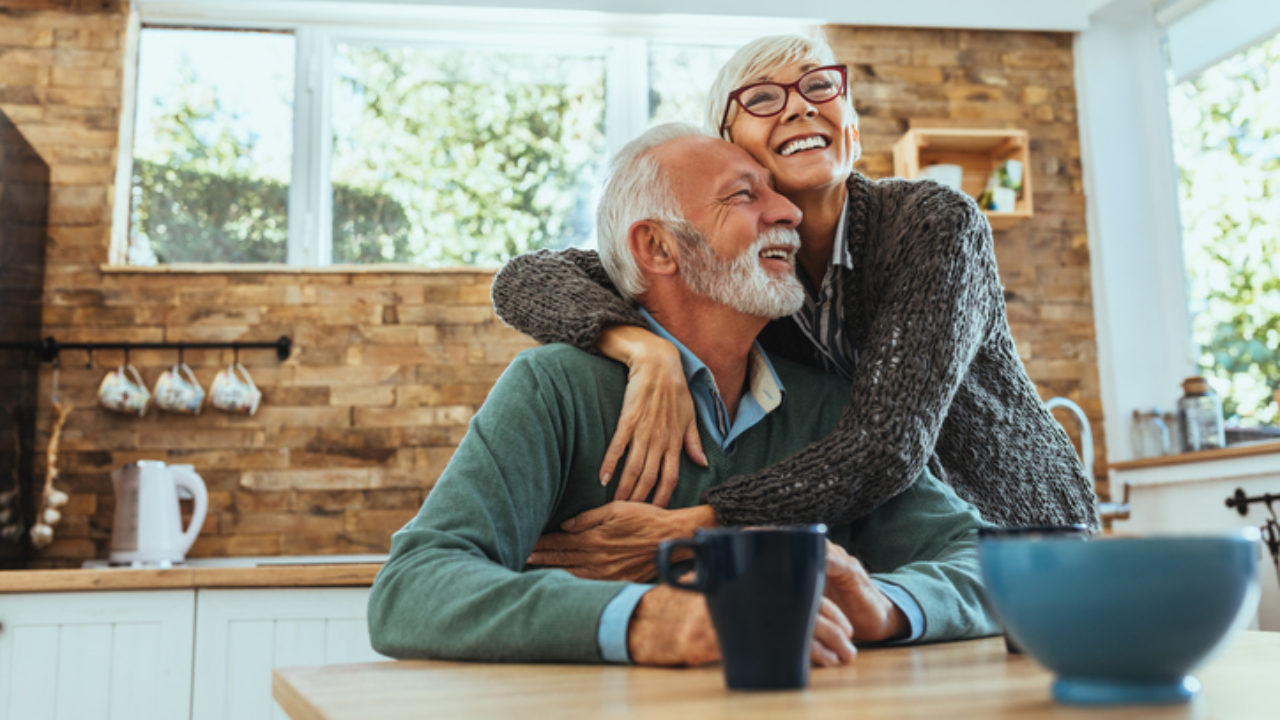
[
  {"x": 820, "y": 86},
  {"x": 769, "y": 98}
]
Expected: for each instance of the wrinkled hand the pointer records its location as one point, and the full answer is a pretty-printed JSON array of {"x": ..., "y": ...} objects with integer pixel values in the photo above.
[
  {"x": 657, "y": 420},
  {"x": 673, "y": 627},
  {"x": 832, "y": 637},
  {"x": 618, "y": 541},
  {"x": 873, "y": 614}
]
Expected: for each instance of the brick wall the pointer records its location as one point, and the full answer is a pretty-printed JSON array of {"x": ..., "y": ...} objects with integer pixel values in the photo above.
[{"x": 389, "y": 366}]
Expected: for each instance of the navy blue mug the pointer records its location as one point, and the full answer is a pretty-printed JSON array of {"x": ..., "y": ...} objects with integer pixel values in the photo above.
[{"x": 763, "y": 589}]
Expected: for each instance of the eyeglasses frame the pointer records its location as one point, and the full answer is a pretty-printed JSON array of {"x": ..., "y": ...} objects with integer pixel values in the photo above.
[{"x": 736, "y": 95}]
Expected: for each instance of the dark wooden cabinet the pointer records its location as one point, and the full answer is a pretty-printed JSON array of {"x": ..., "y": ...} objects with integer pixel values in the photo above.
[{"x": 24, "y": 211}]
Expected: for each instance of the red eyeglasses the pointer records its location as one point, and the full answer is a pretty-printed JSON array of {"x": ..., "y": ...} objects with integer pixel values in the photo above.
[{"x": 765, "y": 99}]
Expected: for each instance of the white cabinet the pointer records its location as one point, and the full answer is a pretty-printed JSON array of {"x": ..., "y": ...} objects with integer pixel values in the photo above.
[
  {"x": 1191, "y": 498},
  {"x": 169, "y": 654},
  {"x": 113, "y": 655},
  {"x": 242, "y": 634}
]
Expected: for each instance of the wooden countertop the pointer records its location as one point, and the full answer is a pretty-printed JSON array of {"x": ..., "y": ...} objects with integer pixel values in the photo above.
[
  {"x": 309, "y": 575},
  {"x": 970, "y": 680},
  {"x": 1227, "y": 453}
]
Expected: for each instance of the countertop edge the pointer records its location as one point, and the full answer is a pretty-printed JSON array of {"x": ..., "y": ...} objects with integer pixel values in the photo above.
[
  {"x": 1203, "y": 456},
  {"x": 274, "y": 576}
]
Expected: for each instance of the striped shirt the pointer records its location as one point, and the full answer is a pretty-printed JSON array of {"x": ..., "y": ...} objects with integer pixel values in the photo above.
[{"x": 822, "y": 317}]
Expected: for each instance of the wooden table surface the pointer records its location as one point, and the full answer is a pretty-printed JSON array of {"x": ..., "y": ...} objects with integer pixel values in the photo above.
[{"x": 950, "y": 681}]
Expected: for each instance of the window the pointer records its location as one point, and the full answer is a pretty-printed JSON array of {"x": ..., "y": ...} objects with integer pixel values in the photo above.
[
  {"x": 212, "y": 150},
  {"x": 679, "y": 76},
  {"x": 1226, "y": 129},
  {"x": 457, "y": 156},
  {"x": 314, "y": 142}
]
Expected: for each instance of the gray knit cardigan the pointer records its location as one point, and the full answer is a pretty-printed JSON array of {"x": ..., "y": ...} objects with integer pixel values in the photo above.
[{"x": 938, "y": 378}]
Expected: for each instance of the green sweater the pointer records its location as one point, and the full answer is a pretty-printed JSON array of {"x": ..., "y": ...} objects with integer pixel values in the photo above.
[{"x": 455, "y": 585}]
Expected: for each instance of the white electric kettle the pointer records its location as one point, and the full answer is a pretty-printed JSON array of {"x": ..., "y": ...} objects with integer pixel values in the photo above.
[{"x": 148, "y": 525}]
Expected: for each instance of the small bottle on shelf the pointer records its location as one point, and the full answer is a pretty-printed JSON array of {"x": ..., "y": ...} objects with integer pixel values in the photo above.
[
  {"x": 1200, "y": 416},
  {"x": 1150, "y": 436}
]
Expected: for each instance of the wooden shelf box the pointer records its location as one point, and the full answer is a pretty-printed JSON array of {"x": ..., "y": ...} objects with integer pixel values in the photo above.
[{"x": 978, "y": 152}]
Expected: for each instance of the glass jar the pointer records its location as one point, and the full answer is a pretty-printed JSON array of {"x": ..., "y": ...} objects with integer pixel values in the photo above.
[
  {"x": 1200, "y": 416},
  {"x": 1150, "y": 436},
  {"x": 1174, "y": 426}
]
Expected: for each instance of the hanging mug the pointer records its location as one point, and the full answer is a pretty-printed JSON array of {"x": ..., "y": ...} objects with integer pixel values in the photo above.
[
  {"x": 177, "y": 390},
  {"x": 123, "y": 391},
  {"x": 233, "y": 391}
]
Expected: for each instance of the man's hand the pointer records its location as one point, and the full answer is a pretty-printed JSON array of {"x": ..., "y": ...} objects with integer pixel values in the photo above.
[
  {"x": 672, "y": 627},
  {"x": 832, "y": 637},
  {"x": 618, "y": 541},
  {"x": 873, "y": 614}
]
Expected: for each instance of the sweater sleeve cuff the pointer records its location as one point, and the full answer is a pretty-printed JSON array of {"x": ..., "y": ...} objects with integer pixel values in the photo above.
[
  {"x": 908, "y": 606},
  {"x": 612, "y": 634}
]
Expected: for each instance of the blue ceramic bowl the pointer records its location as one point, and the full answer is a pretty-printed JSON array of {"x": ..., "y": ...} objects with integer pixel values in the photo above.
[{"x": 1122, "y": 620}]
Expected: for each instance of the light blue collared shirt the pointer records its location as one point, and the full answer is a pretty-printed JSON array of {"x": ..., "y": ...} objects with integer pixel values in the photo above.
[
  {"x": 764, "y": 390},
  {"x": 765, "y": 394}
]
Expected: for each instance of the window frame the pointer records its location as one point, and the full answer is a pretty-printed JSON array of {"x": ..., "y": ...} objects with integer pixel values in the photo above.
[{"x": 622, "y": 40}]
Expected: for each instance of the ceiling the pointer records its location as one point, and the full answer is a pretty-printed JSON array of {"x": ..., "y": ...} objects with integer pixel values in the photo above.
[{"x": 1049, "y": 15}]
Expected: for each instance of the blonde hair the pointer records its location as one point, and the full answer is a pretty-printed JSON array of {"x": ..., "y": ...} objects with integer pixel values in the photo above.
[
  {"x": 755, "y": 60},
  {"x": 635, "y": 189}
]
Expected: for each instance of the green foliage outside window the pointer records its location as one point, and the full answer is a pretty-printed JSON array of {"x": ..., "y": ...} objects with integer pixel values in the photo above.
[
  {"x": 202, "y": 191},
  {"x": 194, "y": 216},
  {"x": 440, "y": 158},
  {"x": 1226, "y": 124},
  {"x": 489, "y": 154}
]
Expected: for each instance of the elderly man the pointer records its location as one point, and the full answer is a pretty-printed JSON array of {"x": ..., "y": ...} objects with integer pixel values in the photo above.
[{"x": 692, "y": 229}]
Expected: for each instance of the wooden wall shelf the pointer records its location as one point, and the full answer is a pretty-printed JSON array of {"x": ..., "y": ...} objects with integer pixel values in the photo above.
[{"x": 978, "y": 152}]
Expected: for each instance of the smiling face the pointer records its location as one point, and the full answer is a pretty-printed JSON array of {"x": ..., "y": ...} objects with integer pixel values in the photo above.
[
  {"x": 807, "y": 145},
  {"x": 740, "y": 241}
]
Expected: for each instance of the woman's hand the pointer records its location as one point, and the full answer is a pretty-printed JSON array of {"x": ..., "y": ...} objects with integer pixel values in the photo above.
[
  {"x": 618, "y": 541},
  {"x": 657, "y": 421}
]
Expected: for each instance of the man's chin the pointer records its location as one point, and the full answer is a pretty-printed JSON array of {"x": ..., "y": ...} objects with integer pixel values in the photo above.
[{"x": 784, "y": 300}]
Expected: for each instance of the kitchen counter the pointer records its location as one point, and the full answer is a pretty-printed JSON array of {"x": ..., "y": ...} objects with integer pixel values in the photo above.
[
  {"x": 267, "y": 572},
  {"x": 1243, "y": 450}
]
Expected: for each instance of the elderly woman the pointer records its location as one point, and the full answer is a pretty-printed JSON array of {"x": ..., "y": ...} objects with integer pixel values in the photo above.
[{"x": 903, "y": 298}]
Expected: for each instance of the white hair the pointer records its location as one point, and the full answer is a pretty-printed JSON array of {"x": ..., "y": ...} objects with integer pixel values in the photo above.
[
  {"x": 635, "y": 189},
  {"x": 754, "y": 61}
]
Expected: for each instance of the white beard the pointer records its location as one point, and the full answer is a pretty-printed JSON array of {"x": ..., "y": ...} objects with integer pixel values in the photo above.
[{"x": 741, "y": 283}]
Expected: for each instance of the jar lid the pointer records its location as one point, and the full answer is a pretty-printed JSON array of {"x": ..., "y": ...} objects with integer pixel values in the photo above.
[{"x": 1195, "y": 386}]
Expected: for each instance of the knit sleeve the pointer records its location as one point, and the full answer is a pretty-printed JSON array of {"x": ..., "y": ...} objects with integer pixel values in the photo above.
[
  {"x": 564, "y": 296},
  {"x": 936, "y": 309}
]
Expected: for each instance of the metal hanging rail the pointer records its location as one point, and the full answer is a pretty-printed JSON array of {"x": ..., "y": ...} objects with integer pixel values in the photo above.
[
  {"x": 1241, "y": 502},
  {"x": 49, "y": 348}
]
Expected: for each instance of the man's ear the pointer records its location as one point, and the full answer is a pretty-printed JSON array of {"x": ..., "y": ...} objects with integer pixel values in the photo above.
[{"x": 653, "y": 247}]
